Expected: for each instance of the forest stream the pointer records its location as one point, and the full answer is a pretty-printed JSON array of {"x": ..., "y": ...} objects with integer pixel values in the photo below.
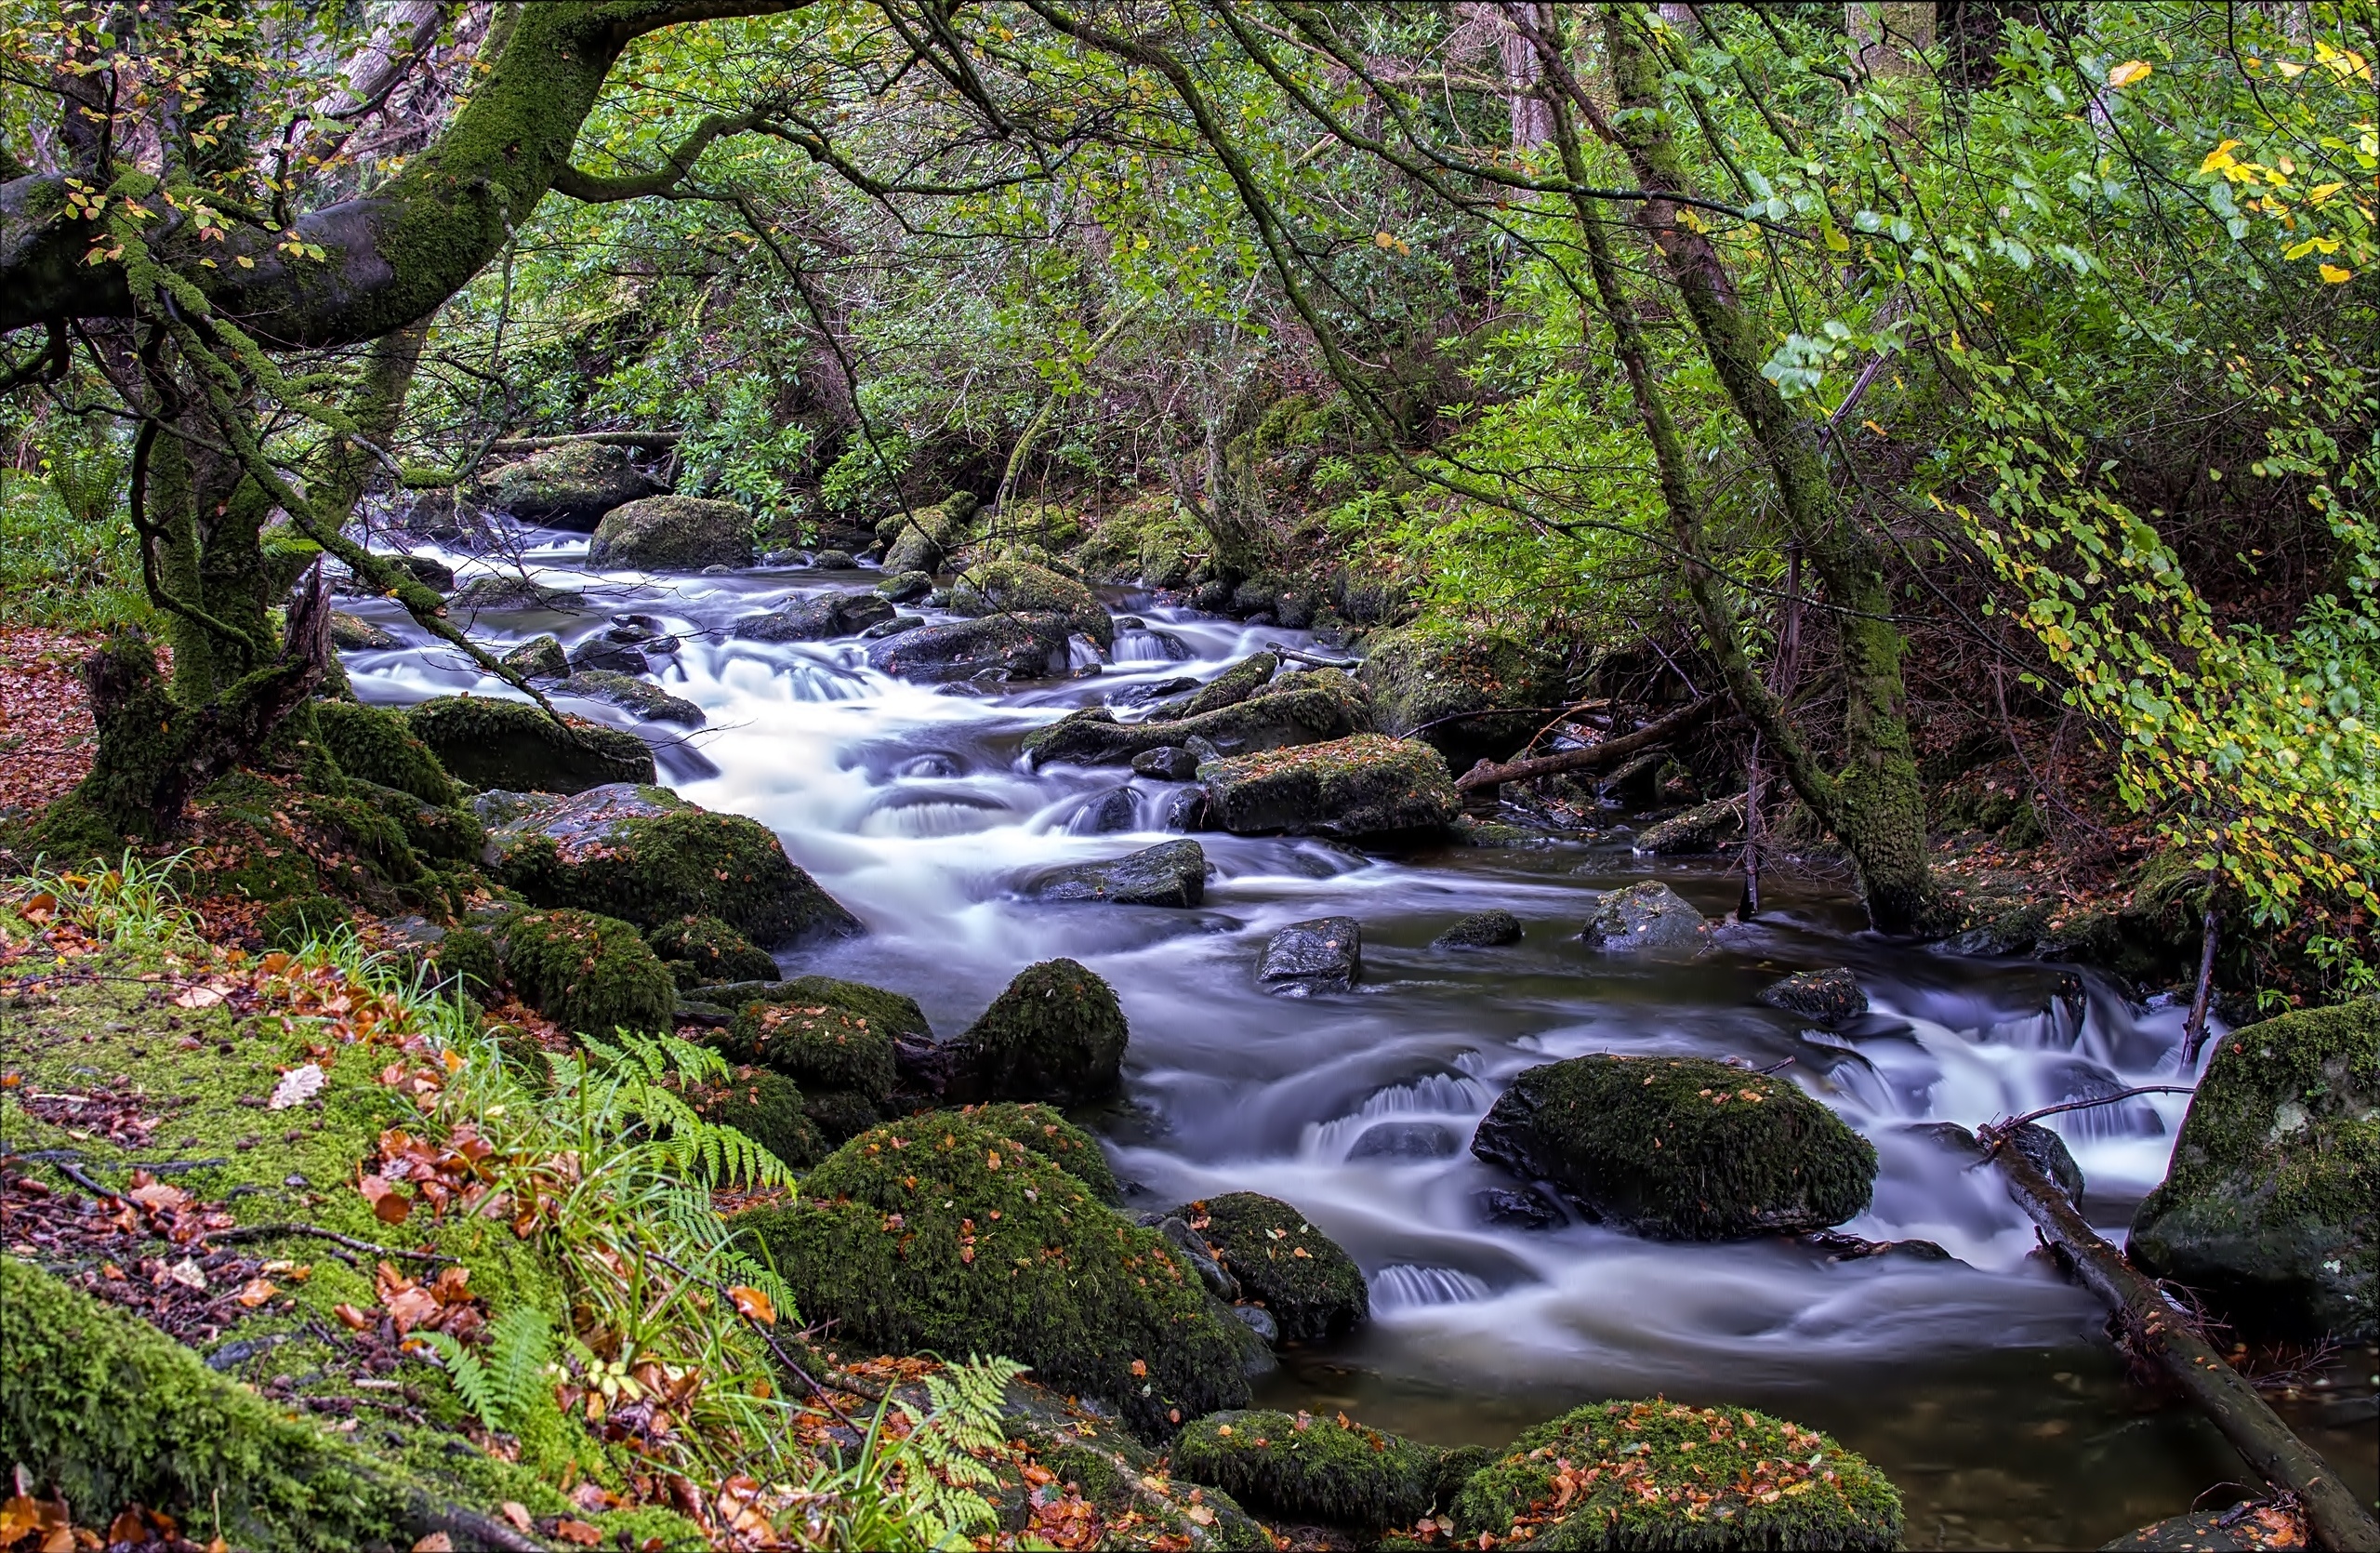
[{"x": 1981, "y": 1384}]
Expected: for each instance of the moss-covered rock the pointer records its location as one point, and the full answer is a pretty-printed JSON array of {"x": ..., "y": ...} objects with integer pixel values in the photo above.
[
  {"x": 1361, "y": 786},
  {"x": 1171, "y": 873},
  {"x": 1704, "y": 828},
  {"x": 505, "y": 591},
  {"x": 587, "y": 973},
  {"x": 468, "y": 958},
  {"x": 1057, "y": 1139},
  {"x": 352, "y": 633},
  {"x": 923, "y": 540},
  {"x": 1481, "y": 930},
  {"x": 540, "y": 657},
  {"x": 889, "y": 1012},
  {"x": 1831, "y": 997},
  {"x": 1471, "y": 693},
  {"x": 1303, "y": 1467},
  {"x": 512, "y": 745},
  {"x": 2271, "y": 1206},
  {"x": 940, "y": 1232},
  {"x": 569, "y": 487},
  {"x": 997, "y": 646},
  {"x": 840, "y": 1115},
  {"x": 451, "y": 834},
  {"x": 1302, "y": 709},
  {"x": 1646, "y": 915},
  {"x": 646, "y": 855},
  {"x": 818, "y": 1047},
  {"x": 1661, "y": 1475},
  {"x": 672, "y": 534},
  {"x": 1019, "y": 587},
  {"x": 1229, "y": 688},
  {"x": 379, "y": 745},
  {"x": 291, "y": 923},
  {"x": 1056, "y": 1033},
  {"x": 1312, "y": 1290},
  {"x": 1127, "y": 1497},
  {"x": 1151, "y": 540},
  {"x": 703, "y": 950},
  {"x": 644, "y": 698},
  {"x": 766, "y": 1107},
  {"x": 1680, "y": 1149}
]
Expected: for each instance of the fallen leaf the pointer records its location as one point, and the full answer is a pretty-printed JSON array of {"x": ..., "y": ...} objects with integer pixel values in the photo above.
[
  {"x": 254, "y": 1291},
  {"x": 296, "y": 1086},
  {"x": 517, "y": 1513},
  {"x": 437, "y": 1542},
  {"x": 577, "y": 1532},
  {"x": 198, "y": 997},
  {"x": 753, "y": 1305}
]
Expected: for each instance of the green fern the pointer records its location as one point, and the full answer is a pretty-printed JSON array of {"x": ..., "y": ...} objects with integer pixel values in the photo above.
[{"x": 503, "y": 1389}]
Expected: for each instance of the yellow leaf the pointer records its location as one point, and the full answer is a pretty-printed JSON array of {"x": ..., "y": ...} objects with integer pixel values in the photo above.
[
  {"x": 2218, "y": 159},
  {"x": 2127, "y": 73},
  {"x": 2335, "y": 275}
]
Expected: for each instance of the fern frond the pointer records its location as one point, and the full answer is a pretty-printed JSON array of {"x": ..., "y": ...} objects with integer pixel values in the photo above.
[
  {"x": 467, "y": 1375},
  {"x": 520, "y": 1342}
]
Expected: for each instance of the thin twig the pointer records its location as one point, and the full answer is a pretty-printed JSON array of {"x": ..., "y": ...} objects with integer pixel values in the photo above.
[
  {"x": 274, "y": 1231},
  {"x": 1994, "y": 1132}
]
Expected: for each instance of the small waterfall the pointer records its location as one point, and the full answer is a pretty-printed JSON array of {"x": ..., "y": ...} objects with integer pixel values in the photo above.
[
  {"x": 1401, "y": 1121},
  {"x": 1406, "y": 1287}
]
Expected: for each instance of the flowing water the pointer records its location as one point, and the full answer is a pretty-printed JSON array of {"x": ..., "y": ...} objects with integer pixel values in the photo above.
[{"x": 1982, "y": 1384}]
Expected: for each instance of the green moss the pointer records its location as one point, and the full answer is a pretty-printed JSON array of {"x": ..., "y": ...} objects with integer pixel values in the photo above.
[
  {"x": 468, "y": 957},
  {"x": 452, "y": 834},
  {"x": 923, "y": 540},
  {"x": 672, "y": 534},
  {"x": 1140, "y": 1504},
  {"x": 1661, "y": 1475},
  {"x": 840, "y": 1115},
  {"x": 288, "y": 924},
  {"x": 1055, "y": 1139},
  {"x": 766, "y": 1107},
  {"x": 1310, "y": 1468},
  {"x": 378, "y": 746},
  {"x": 495, "y": 743},
  {"x": 889, "y": 1012},
  {"x": 1361, "y": 786},
  {"x": 937, "y": 1232},
  {"x": 1229, "y": 688},
  {"x": 703, "y": 949},
  {"x": 1680, "y": 1148},
  {"x": 587, "y": 973},
  {"x": 1312, "y": 1297},
  {"x": 1149, "y": 540},
  {"x": 816, "y": 1045},
  {"x": 2268, "y": 1206},
  {"x": 1055, "y": 1033},
  {"x": 573, "y": 483},
  {"x": 1012, "y": 586}
]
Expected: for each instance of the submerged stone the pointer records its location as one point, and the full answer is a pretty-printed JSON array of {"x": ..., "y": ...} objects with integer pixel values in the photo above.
[
  {"x": 817, "y": 619},
  {"x": 1323, "y": 955},
  {"x": 1172, "y": 873},
  {"x": 1481, "y": 930},
  {"x": 1831, "y": 997},
  {"x": 641, "y": 696}
]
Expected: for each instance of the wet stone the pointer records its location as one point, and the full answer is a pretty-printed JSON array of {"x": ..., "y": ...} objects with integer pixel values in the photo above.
[
  {"x": 1173, "y": 873},
  {"x": 1406, "y": 1140},
  {"x": 1519, "y": 1208},
  {"x": 1116, "y": 810},
  {"x": 1259, "y": 1323},
  {"x": 352, "y": 634},
  {"x": 1644, "y": 916},
  {"x": 834, "y": 561},
  {"x": 816, "y": 618},
  {"x": 1168, "y": 762},
  {"x": 1481, "y": 930},
  {"x": 540, "y": 657},
  {"x": 1323, "y": 955},
  {"x": 1831, "y": 997},
  {"x": 907, "y": 588}
]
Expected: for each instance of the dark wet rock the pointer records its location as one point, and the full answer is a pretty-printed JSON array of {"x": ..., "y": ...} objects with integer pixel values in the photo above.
[
  {"x": 1172, "y": 873},
  {"x": 569, "y": 487},
  {"x": 1259, "y": 1320},
  {"x": 704, "y": 951},
  {"x": 1680, "y": 1148},
  {"x": 1141, "y": 695},
  {"x": 516, "y": 746},
  {"x": 1313, "y": 1297},
  {"x": 1359, "y": 786},
  {"x": 1840, "y": 1247},
  {"x": 644, "y": 698},
  {"x": 604, "y": 653},
  {"x": 1055, "y": 1034},
  {"x": 1644, "y": 916},
  {"x": 906, "y": 588},
  {"x": 1184, "y": 810},
  {"x": 507, "y": 591},
  {"x": 816, "y": 618},
  {"x": 428, "y": 570},
  {"x": 1520, "y": 1207},
  {"x": 2268, "y": 1208},
  {"x": 1406, "y": 1140},
  {"x": 1022, "y": 588},
  {"x": 840, "y": 1115},
  {"x": 893, "y": 626},
  {"x": 2048, "y": 1153},
  {"x": 1296, "y": 714},
  {"x": 997, "y": 1249},
  {"x": 1001, "y": 646},
  {"x": 672, "y": 534},
  {"x": 1481, "y": 930},
  {"x": 1222, "y": 1285},
  {"x": 645, "y": 855},
  {"x": 924, "y": 540},
  {"x": 1323, "y": 955},
  {"x": 1301, "y": 1467},
  {"x": 1229, "y": 688},
  {"x": 352, "y": 633},
  {"x": 1167, "y": 763},
  {"x": 1471, "y": 693},
  {"x": 540, "y": 657},
  {"x": 1116, "y": 810},
  {"x": 834, "y": 561},
  {"x": 1701, "y": 829},
  {"x": 1831, "y": 997},
  {"x": 2237, "y": 1529},
  {"x": 498, "y": 806}
]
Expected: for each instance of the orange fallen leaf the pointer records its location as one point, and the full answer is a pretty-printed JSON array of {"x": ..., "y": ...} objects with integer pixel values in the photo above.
[
  {"x": 517, "y": 1513},
  {"x": 753, "y": 1305},
  {"x": 255, "y": 1291},
  {"x": 577, "y": 1532},
  {"x": 437, "y": 1542}
]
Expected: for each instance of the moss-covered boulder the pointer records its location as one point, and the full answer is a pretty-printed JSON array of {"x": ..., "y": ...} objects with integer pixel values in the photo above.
[
  {"x": 1831, "y": 997},
  {"x": 1151, "y": 540},
  {"x": 1229, "y": 688},
  {"x": 672, "y": 534},
  {"x": 766, "y": 1107},
  {"x": 379, "y": 745},
  {"x": 352, "y": 633},
  {"x": 1481, "y": 930},
  {"x": 1680, "y": 1149},
  {"x": 940, "y": 1232},
  {"x": 642, "y": 698},
  {"x": 1022, "y": 588},
  {"x": 2271, "y": 1206},
  {"x": 708, "y": 951},
  {"x": 1106, "y": 1489},
  {"x": 1057, "y": 1139},
  {"x": 507, "y": 591},
  {"x": 569, "y": 487},
  {"x": 1302, "y": 709},
  {"x": 1312, "y": 1290},
  {"x": 818, "y": 1047},
  {"x": 540, "y": 657},
  {"x": 646, "y": 855},
  {"x": 512, "y": 745},
  {"x": 997, "y": 646},
  {"x": 816, "y": 618},
  {"x": 1306, "y": 1469},
  {"x": 1646, "y": 915},
  {"x": 1361, "y": 786},
  {"x": 1056, "y": 1033},
  {"x": 923, "y": 540},
  {"x": 587, "y": 973},
  {"x": 1659, "y": 1475},
  {"x": 1471, "y": 693}
]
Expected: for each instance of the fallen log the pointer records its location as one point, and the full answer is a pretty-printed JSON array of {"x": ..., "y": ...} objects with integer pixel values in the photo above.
[
  {"x": 644, "y": 441},
  {"x": 2163, "y": 1334},
  {"x": 1611, "y": 751}
]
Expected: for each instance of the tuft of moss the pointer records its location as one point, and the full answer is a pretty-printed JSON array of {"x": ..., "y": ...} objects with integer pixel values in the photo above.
[
  {"x": 1019, "y": 587},
  {"x": 938, "y": 1231},
  {"x": 889, "y": 1012},
  {"x": 701, "y": 951},
  {"x": 840, "y": 1115},
  {"x": 765, "y": 1106},
  {"x": 1055, "y": 1033},
  {"x": 512, "y": 745},
  {"x": 1680, "y": 1148},
  {"x": 379, "y": 745},
  {"x": 468, "y": 957},
  {"x": 1309, "y": 1468},
  {"x": 290, "y": 923},
  {"x": 1629, "y": 1475},
  {"x": 1312, "y": 1296},
  {"x": 587, "y": 973},
  {"x": 816, "y": 1045}
]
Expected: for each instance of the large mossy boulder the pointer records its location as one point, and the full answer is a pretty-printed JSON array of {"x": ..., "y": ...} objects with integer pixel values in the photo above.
[
  {"x": 512, "y": 745},
  {"x": 1301, "y": 710},
  {"x": 540, "y": 657},
  {"x": 646, "y": 855},
  {"x": 1361, "y": 786},
  {"x": 379, "y": 745},
  {"x": 923, "y": 540},
  {"x": 703, "y": 950},
  {"x": 644, "y": 698},
  {"x": 1680, "y": 1149},
  {"x": 1056, "y": 1033},
  {"x": 1661, "y": 1475},
  {"x": 764, "y": 1105},
  {"x": 1171, "y": 873},
  {"x": 1646, "y": 915},
  {"x": 672, "y": 534},
  {"x": 1049, "y": 1134},
  {"x": 1312, "y": 1290},
  {"x": 2271, "y": 1206},
  {"x": 507, "y": 591},
  {"x": 941, "y": 1232},
  {"x": 997, "y": 647},
  {"x": 587, "y": 973},
  {"x": 569, "y": 486},
  {"x": 817, "y": 1046},
  {"x": 819, "y": 617},
  {"x": 1472, "y": 693},
  {"x": 1012, "y": 586},
  {"x": 448, "y": 833},
  {"x": 1229, "y": 688},
  {"x": 1306, "y": 1469}
]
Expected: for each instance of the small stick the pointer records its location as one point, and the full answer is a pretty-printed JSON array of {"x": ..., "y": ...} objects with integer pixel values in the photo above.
[
  {"x": 2194, "y": 1028},
  {"x": 2000, "y": 1129}
]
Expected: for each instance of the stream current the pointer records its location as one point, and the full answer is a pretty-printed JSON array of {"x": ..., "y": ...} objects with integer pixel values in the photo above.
[{"x": 1982, "y": 1386}]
